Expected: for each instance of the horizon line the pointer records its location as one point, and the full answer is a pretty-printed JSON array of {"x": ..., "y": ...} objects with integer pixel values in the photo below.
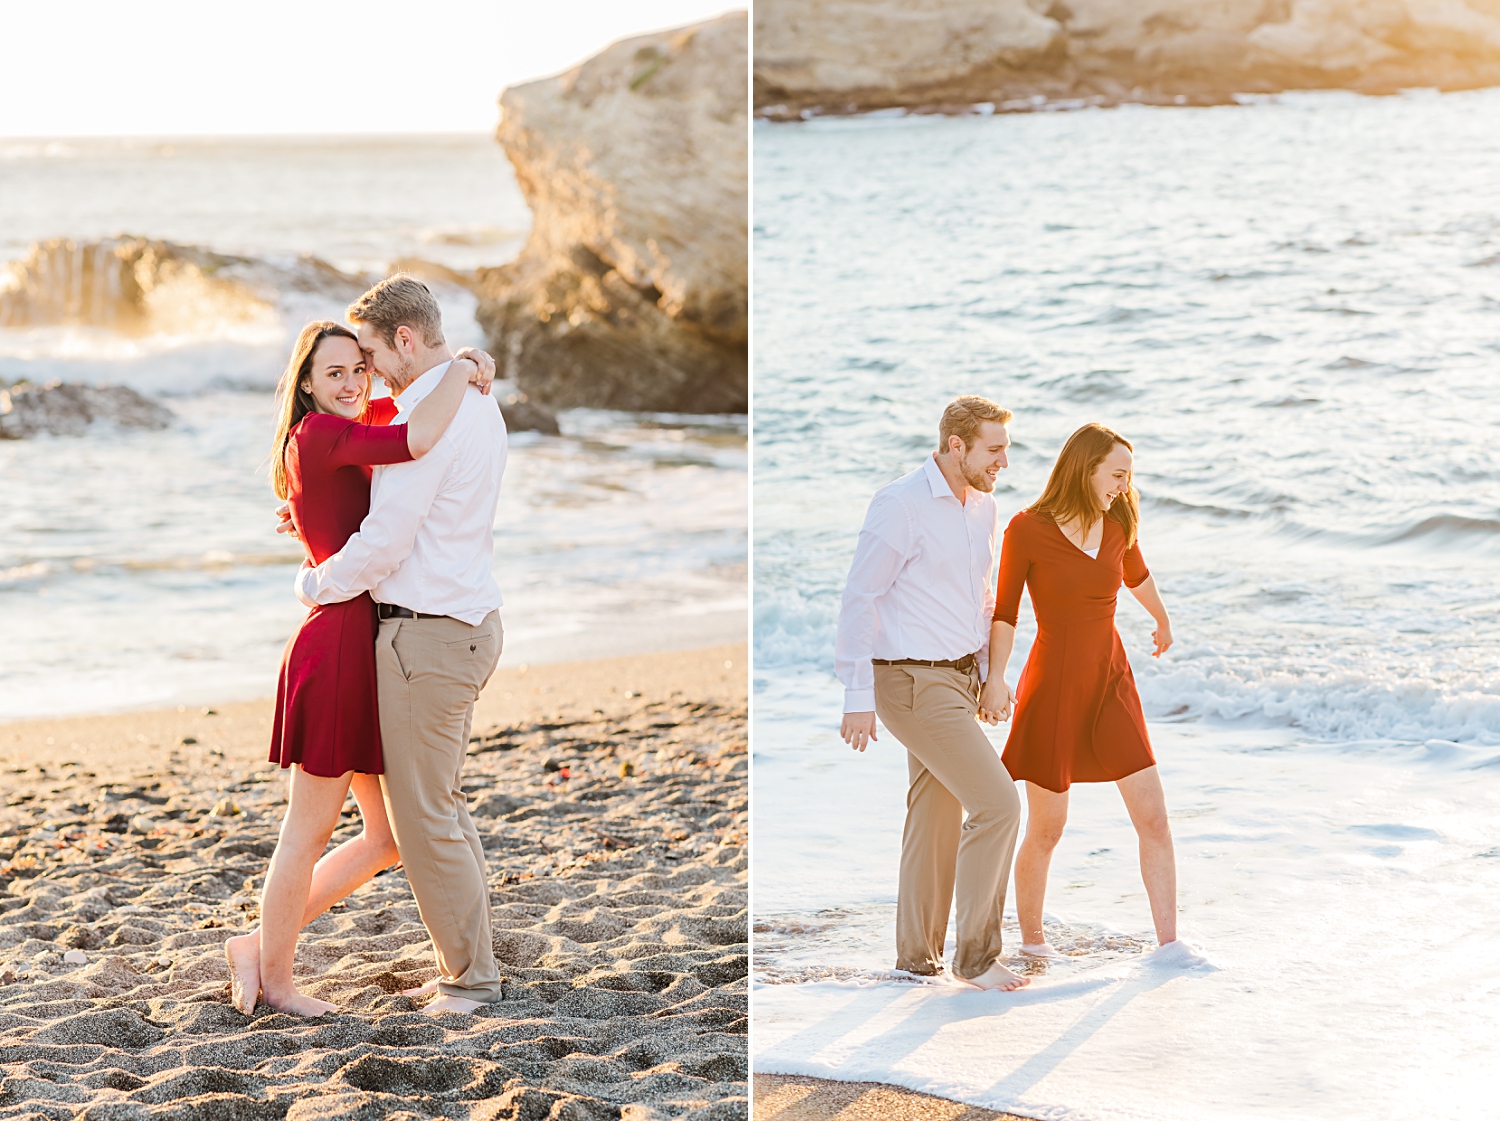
[{"x": 40, "y": 137}]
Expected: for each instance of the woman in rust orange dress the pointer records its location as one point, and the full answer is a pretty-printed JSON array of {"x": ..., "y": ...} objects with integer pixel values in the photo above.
[{"x": 1077, "y": 714}]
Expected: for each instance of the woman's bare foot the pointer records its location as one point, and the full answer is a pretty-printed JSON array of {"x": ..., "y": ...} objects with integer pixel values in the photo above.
[
  {"x": 996, "y": 977},
  {"x": 299, "y": 1004},
  {"x": 452, "y": 1004},
  {"x": 243, "y": 955},
  {"x": 1039, "y": 950},
  {"x": 425, "y": 987}
]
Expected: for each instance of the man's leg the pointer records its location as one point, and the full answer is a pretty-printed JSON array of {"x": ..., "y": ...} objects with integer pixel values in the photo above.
[
  {"x": 430, "y": 673},
  {"x": 461, "y": 802},
  {"x": 949, "y": 744},
  {"x": 929, "y": 838},
  {"x": 929, "y": 848}
]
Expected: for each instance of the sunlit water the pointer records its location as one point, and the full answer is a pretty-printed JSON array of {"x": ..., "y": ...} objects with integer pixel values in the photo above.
[
  {"x": 1292, "y": 308},
  {"x": 140, "y": 568}
]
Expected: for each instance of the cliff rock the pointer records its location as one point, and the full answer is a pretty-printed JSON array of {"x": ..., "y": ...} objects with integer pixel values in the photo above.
[
  {"x": 856, "y": 55},
  {"x": 631, "y": 292},
  {"x": 524, "y": 415},
  {"x": 841, "y": 47}
]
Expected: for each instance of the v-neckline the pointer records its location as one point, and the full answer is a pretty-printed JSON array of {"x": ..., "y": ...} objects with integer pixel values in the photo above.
[{"x": 1080, "y": 548}]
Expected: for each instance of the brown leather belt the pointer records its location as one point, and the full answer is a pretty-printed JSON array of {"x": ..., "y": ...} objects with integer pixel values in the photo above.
[
  {"x": 393, "y": 611},
  {"x": 963, "y": 665}
]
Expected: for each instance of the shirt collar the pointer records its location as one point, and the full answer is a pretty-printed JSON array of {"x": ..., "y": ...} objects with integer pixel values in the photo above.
[
  {"x": 420, "y": 388},
  {"x": 936, "y": 480}
]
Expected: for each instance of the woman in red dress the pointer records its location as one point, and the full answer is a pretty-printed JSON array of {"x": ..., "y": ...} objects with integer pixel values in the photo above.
[
  {"x": 1077, "y": 713},
  {"x": 327, "y": 731}
]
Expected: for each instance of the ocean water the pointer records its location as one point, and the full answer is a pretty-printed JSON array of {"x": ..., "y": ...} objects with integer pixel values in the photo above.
[
  {"x": 1292, "y": 308},
  {"x": 140, "y": 568}
]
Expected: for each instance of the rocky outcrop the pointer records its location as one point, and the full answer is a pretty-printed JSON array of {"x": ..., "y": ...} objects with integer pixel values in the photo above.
[
  {"x": 631, "y": 292},
  {"x": 135, "y": 285},
  {"x": 524, "y": 415},
  {"x": 858, "y": 55},
  {"x": 836, "y": 48},
  {"x": 60, "y": 409}
]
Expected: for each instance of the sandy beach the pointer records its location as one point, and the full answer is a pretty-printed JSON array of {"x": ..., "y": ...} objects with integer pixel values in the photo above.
[
  {"x": 612, "y": 798},
  {"x": 783, "y": 1097}
]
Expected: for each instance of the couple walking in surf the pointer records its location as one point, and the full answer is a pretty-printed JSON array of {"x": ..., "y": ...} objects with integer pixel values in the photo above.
[
  {"x": 394, "y": 500},
  {"x": 923, "y": 643}
]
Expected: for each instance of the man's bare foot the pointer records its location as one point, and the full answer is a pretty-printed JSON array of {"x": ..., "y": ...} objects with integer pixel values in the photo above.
[
  {"x": 452, "y": 1004},
  {"x": 243, "y": 955},
  {"x": 425, "y": 987},
  {"x": 1039, "y": 950},
  {"x": 299, "y": 1004},
  {"x": 996, "y": 977}
]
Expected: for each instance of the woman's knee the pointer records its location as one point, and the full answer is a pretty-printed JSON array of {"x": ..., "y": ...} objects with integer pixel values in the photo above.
[
  {"x": 297, "y": 841},
  {"x": 1154, "y": 826},
  {"x": 382, "y": 847},
  {"x": 1044, "y": 834}
]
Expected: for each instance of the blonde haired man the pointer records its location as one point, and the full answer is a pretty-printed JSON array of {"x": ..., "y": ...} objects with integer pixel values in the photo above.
[
  {"x": 912, "y": 638},
  {"x": 423, "y": 553}
]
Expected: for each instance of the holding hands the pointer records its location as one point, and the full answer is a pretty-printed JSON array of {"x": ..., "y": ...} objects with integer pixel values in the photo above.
[{"x": 995, "y": 700}]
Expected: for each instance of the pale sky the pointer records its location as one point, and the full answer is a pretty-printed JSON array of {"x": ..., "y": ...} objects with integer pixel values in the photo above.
[{"x": 164, "y": 67}]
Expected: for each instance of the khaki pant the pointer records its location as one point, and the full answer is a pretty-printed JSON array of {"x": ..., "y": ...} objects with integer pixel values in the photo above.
[
  {"x": 952, "y": 768},
  {"x": 429, "y": 673}
]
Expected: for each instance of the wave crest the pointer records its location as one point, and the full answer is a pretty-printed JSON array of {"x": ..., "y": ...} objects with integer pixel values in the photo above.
[{"x": 137, "y": 286}]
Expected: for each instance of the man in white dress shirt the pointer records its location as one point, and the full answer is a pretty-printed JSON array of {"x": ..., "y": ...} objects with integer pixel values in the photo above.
[
  {"x": 423, "y": 553},
  {"x": 912, "y": 646}
]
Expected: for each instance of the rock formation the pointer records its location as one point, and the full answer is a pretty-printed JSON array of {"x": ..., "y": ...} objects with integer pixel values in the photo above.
[
  {"x": 524, "y": 415},
  {"x": 61, "y": 409},
  {"x": 135, "y": 285},
  {"x": 857, "y": 55},
  {"x": 631, "y": 292}
]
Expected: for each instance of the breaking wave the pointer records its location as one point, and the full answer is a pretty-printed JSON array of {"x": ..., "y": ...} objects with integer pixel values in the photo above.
[
  {"x": 170, "y": 318},
  {"x": 137, "y": 286}
]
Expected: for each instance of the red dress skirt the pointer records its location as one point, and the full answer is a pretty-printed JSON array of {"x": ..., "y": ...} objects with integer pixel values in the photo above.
[
  {"x": 327, "y": 720},
  {"x": 1078, "y": 716}
]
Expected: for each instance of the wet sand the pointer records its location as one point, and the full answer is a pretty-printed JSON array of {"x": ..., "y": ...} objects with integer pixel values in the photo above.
[
  {"x": 782, "y": 1097},
  {"x": 612, "y": 800}
]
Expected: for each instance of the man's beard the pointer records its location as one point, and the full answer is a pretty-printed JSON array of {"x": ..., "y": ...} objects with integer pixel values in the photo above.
[
  {"x": 404, "y": 373},
  {"x": 976, "y": 478}
]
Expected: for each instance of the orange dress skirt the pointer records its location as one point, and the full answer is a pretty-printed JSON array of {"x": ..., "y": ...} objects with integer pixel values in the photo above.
[{"x": 1077, "y": 715}]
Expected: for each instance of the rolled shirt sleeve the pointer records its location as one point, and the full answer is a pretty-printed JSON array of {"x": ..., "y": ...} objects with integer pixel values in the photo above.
[
  {"x": 401, "y": 500},
  {"x": 884, "y": 545},
  {"x": 983, "y": 654}
]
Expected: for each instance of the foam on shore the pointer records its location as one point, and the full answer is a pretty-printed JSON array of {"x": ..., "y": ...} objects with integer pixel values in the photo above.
[{"x": 1333, "y": 908}]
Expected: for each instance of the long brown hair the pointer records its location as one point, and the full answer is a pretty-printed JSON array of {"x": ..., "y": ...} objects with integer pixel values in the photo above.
[
  {"x": 296, "y": 402},
  {"x": 1070, "y": 493}
]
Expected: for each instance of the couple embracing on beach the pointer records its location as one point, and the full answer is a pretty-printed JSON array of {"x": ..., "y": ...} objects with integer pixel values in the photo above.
[
  {"x": 923, "y": 643},
  {"x": 394, "y": 500}
]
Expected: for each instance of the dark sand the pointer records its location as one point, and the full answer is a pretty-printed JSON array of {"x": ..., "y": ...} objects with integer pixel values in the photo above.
[
  {"x": 619, "y": 903},
  {"x": 782, "y": 1097}
]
